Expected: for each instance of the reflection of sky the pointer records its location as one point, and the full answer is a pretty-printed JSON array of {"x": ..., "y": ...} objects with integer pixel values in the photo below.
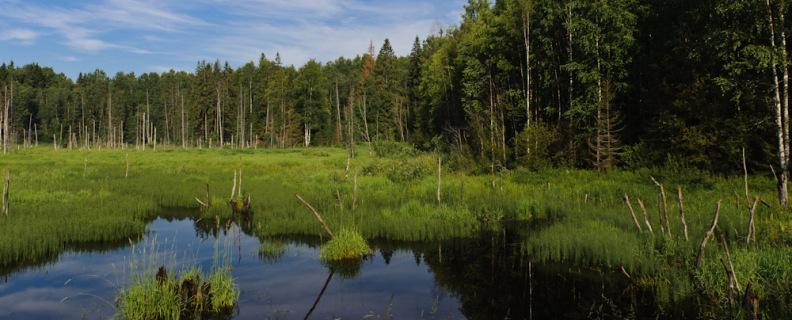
[{"x": 86, "y": 283}]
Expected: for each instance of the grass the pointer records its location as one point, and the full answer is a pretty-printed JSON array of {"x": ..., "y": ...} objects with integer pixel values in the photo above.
[
  {"x": 347, "y": 244},
  {"x": 577, "y": 216},
  {"x": 188, "y": 292}
]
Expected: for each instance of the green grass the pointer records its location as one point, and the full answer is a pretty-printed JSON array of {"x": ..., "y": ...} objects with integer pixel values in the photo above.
[
  {"x": 577, "y": 216},
  {"x": 347, "y": 244}
]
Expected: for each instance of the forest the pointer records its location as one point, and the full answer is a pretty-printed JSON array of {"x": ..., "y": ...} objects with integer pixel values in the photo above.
[{"x": 531, "y": 83}]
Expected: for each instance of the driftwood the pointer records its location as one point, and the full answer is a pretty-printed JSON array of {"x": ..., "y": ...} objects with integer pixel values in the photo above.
[
  {"x": 700, "y": 257},
  {"x": 646, "y": 217},
  {"x": 632, "y": 212},
  {"x": 317, "y": 216},
  {"x": 682, "y": 213}
]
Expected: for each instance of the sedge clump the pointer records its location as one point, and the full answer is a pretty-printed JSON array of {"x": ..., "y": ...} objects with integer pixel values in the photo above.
[{"x": 348, "y": 244}]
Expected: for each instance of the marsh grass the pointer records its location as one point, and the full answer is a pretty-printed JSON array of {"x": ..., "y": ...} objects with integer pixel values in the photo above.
[
  {"x": 188, "y": 292},
  {"x": 348, "y": 244},
  {"x": 577, "y": 216}
]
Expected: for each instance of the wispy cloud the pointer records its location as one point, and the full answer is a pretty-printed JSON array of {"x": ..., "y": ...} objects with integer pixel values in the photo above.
[
  {"x": 24, "y": 36},
  {"x": 138, "y": 34}
]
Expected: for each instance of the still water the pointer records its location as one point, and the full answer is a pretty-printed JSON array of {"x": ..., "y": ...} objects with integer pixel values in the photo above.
[{"x": 282, "y": 278}]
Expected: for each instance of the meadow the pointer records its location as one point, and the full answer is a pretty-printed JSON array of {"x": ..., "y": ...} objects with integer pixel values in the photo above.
[{"x": 66, "y": 197}]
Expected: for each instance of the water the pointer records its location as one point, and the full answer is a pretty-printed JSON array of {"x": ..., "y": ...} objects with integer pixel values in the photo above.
[
  {"x": 84, "y": 283},
  {"x": 486, "y": 277}
]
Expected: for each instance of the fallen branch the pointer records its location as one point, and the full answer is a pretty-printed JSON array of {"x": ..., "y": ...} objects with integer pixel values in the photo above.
[
  {"x": 340, "y": 204},
  {"x": 317, "y": 216},
  {"x": 700, "y": 257}
]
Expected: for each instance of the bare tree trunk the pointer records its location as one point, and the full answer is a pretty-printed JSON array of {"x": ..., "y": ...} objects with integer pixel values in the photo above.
[
  {"x": 782, "y": 152},
  {"x": 339, "y": 137}
]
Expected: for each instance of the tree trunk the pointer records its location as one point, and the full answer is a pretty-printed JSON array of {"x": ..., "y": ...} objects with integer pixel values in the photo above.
[{"x": 782, "y": 152}]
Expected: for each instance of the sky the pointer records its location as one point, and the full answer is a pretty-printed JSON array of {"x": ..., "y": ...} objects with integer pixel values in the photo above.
[{"x": 158, "y": 35}]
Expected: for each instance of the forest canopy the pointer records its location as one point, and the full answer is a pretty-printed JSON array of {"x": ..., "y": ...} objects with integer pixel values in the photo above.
[{"x": 532, "y": 83}]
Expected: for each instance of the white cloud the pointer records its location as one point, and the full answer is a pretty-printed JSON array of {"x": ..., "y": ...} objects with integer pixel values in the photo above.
[
  {"x": 69, "y": 58},
  {"x": 25, "y": 36}
]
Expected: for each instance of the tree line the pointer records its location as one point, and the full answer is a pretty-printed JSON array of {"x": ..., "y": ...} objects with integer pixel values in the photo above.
[{"x": 586, "y": 83}]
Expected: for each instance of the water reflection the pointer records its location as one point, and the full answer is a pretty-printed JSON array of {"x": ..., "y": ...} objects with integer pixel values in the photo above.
[{"x": 485, "y": 277}]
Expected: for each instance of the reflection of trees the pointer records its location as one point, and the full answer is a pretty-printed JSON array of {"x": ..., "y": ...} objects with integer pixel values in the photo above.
[{"x": 491, "y": 279}]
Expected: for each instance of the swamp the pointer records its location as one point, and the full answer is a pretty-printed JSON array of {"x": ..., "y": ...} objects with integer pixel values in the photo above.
[{"x": 84, "y": 229}]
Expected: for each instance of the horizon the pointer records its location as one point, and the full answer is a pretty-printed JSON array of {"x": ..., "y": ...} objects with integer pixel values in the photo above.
[{"x": 143, "y": 36}]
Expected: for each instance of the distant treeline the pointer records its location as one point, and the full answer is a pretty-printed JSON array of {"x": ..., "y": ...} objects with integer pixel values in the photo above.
[{"x": 594, "y": 84}]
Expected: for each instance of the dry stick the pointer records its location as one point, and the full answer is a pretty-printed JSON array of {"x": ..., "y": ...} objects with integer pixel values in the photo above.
[
  {"x": 5, "y": 192},
  {"x": 233, "y": 189},
  {"x": 439, "y": 169},
  {"x": 751, "y": 227},
  {"x": 665, "y": 206},
  {"x": 682, "y": 213},
  {"x": 625, "y": 273},
  {"x": 126, "y": 175},
  {"x": 745, "y": 171},
  {"x": 700, "y": 257},
  {"x": 627, "y": 199},
  {"x": 354, "y": 195},
  {"x": 736, "y": 199},
  {"x": 317, "y": 216},
  {"x": 646, "y": 217},
  {"x": 346, "y": 175},
  {"x": 728, "y": 258},
  {"x": 85, "y": 167},
  {"x": 660, "y": 212},
  {"x": 731, "y": 282},
  {"x": 340, "y": 204},
  {"x": 208, "y": 199}
]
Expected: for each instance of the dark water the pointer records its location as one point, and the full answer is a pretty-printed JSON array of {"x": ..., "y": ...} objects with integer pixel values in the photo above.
[{"x": 482, "y": 278}]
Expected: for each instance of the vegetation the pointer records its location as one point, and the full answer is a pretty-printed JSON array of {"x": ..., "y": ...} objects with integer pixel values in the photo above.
[
  {"x": 348, "y": 244},
  {"x": 540, "y": 83},
  {"x": 188, "y": 293},
  {"x": 577, "y": 216}
]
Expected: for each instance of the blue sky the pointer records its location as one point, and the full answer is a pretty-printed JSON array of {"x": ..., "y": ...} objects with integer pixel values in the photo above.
[{"x": 159, "y": 35}]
